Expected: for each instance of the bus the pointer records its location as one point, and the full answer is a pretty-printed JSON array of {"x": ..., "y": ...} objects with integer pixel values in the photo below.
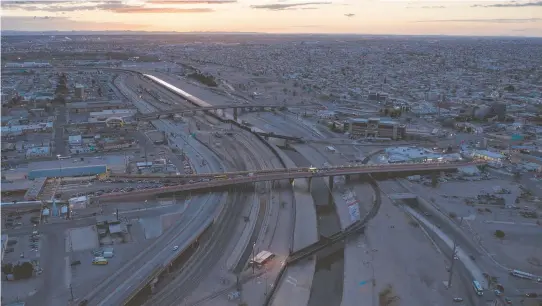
[
  {"x": 525, "y": 275},
  {"x": 261, "y": 258},
  {"x": 477, "y": 288}
]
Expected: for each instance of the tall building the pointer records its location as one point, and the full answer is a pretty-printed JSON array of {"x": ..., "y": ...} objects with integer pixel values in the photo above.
[{"x": 376, "y": 127}]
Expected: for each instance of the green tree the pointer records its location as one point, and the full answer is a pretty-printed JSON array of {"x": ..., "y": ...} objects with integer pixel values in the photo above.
[{"x": 499, "y": 234}]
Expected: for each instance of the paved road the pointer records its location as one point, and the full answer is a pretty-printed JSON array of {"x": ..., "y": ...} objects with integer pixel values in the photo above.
[
  {"x": 60, "y": 142},
  {"x": 287, "y": 174},
  {"x": 116, "y": 289},
  {"x": 119, "y": 286}
]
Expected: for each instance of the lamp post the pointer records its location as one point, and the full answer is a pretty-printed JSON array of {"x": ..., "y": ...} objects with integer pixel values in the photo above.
[
  {"x": 253, "y": 262},
  {"x": 60, "y": 163}
]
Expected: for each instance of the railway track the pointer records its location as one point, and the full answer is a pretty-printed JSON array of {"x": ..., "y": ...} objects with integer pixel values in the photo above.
[
  {"x": 204, "y": 260},
  {"x": 201, "y": 262}
]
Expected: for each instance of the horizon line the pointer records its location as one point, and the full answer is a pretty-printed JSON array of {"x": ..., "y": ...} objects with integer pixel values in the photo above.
[{"x": 109, "y": 32}]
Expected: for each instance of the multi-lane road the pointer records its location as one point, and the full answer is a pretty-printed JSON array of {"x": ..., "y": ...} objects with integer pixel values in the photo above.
[
  {"x": 199, "y": 214},
  {"x": 291, "y": 174}
]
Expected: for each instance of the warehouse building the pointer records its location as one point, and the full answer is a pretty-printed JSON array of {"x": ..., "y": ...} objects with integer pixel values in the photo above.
[
  {"x": 68, "y": 172},
  {"x": 95, "y": 106},
  {"x": 111, "y": 113},
  {"x": 376, "y": 127}
]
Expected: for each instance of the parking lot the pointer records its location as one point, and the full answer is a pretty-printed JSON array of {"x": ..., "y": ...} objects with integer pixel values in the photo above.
[
  {"x": 13, "y": 220},
  {"x": 85, "y": 275},
  {"x": 21, "y": 249}
]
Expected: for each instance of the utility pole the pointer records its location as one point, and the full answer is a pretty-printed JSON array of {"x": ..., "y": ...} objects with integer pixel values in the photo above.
[
  {"x": 453, "y": 257},
  {"x": 71, "y": 291},
  {"x": 253, "y": 263},
  {"x": 145, "y": 147}
]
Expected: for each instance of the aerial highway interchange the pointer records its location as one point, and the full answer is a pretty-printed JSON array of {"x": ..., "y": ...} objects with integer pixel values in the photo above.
[{"x": 160, "y": 189}]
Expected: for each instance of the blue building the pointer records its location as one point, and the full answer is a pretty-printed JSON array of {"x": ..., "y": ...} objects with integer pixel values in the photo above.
[{"x": 68, "y": 171}]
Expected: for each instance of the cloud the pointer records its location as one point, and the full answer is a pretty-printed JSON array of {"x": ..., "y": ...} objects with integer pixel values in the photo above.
[
  {"x": 191, "y": 1},
  {"x": 48, "y": 23},
  {"x": 511, "y": 4},
  {"x": 525, "y": 20},
  {"x": 349, "y": 15},
  {"x": 62, "y": 6},
  {"x": 158, "y": 10},
  {"x": 285, "y": 6},
  {"x": 112, "y": 6},
  {"x": 426, "y": 7}
]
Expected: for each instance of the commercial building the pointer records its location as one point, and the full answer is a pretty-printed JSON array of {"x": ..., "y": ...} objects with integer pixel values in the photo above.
[
  {"x": 488, "y": 155},
  {"x": 29, "y": 128},
  {"x": 376, "y": 127},
  {"x": 111, "y": 113},
  {"x": 95, "y": 106},
  {"x": 68, "y": 172},
  {"x": 36, "y": 152}
]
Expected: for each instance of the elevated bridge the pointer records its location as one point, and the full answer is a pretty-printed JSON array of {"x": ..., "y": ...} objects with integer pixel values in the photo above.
[
  {"x": 279, "y": 136},
  {"x": 235, "y": 107},
  {"x": 224, "y": 180}
]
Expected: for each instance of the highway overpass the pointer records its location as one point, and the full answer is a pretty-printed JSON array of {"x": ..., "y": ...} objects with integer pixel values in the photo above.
[
  {"x": 223, "y": 180},
  {"x": 235, "y": 107}
]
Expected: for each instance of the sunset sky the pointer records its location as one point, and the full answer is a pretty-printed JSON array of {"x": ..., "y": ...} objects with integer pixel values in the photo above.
[{"x": 461, "y": 17}]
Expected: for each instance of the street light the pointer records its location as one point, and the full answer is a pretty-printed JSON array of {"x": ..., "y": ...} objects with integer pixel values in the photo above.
[
  {"x": 60, "y": 163},
  {"x": 253, "y": 262}
]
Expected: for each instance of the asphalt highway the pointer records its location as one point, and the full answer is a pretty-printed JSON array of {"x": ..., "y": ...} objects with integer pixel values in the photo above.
[
  {"x": 118, "y": 287},
  {"x": 288, "y": 174}
]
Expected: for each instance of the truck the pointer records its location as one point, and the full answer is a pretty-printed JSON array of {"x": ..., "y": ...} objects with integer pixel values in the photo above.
[{"x": 108, "y": 254}]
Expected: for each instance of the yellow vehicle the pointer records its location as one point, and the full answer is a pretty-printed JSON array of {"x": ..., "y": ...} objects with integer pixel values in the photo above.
[
  {"x": 99, "y": 261},
  {"x": 221, "y": 177},
  {"x": 313, "y": 169}
]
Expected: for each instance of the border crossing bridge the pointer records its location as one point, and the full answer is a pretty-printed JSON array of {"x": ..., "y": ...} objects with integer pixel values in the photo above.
[{"x": 228, "y": 179}]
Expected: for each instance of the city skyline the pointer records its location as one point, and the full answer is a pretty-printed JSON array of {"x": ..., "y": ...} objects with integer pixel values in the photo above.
[{"x": 492, "y": 18}]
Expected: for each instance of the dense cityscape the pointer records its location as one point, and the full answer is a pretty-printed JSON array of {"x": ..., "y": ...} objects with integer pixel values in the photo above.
[{"x": 263, "y": 169}]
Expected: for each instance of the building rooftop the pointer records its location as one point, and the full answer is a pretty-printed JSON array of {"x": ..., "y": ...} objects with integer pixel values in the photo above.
[
  {"x": 489, "y": 154},
  {"x": 113, "y": 112}
]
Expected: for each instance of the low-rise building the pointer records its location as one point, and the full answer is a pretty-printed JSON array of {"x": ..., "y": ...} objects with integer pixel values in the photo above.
[
  {"x": 38, "y": 152},
  {"x": 28, "y": 128},
  {"x": 376, "y": 127},
  {"x": 95, "y": 106},
  {"x": 488, "y": 155},
  {"x": 111, "y": 113}
]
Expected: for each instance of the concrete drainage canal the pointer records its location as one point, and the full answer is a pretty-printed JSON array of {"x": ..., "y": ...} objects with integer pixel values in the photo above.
[{"x": 327, "y": 286}]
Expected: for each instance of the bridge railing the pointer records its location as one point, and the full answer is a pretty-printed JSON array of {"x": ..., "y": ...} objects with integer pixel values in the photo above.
[{"x": 285, "y": 175}]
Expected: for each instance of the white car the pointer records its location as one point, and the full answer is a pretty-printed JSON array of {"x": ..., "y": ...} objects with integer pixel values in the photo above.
[{"x": 175, "y": 248}]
